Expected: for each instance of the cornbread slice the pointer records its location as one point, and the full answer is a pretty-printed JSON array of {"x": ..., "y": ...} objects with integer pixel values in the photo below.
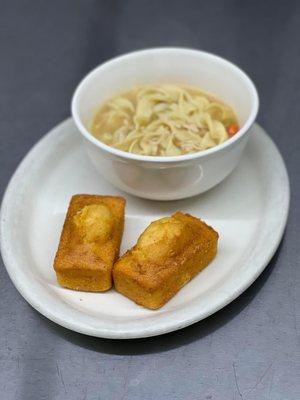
[
  {"x": 168, "y": 254},
  {"x": 90, "y": 242}
]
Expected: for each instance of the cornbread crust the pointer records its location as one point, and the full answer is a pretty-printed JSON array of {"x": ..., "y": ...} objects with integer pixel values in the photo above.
[
  {"x": 168, "y": 254},
  {"x": 90, "y": 242}
]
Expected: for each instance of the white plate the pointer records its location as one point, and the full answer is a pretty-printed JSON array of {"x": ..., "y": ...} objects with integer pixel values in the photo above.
[{"x": 249, "y": 210}]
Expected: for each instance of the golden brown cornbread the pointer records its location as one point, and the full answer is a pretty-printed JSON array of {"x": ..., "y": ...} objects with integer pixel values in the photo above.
[
  {"x": 90, "y": 242},
  {"x": 168, "y": 254}
]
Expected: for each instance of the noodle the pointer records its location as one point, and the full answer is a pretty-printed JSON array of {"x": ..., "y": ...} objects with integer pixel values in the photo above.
[{"x": 163, "y": 120}]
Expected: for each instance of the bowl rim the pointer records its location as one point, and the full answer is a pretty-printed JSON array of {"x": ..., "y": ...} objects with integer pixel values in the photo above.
[{"x": 164, "y": 159}]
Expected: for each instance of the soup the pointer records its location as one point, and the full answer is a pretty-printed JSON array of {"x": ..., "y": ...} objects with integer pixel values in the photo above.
[{"x": 164, "y": 120}]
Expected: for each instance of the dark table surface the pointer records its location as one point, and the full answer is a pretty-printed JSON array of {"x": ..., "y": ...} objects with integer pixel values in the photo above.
[{"x": 250, "y": 349}]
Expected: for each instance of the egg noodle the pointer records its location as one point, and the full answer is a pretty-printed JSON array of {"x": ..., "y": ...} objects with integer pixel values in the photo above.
[{"x": 163, "y": 120}]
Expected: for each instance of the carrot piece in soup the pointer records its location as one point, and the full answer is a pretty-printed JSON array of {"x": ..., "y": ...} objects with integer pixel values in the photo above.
[{"x": 232, "y": 129}]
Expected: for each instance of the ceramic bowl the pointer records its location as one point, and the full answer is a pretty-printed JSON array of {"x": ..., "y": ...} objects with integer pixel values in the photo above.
[{"x": 176, "y": 177}]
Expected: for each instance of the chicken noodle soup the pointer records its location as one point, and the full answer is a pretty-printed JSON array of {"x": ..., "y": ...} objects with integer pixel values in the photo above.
[{"x": 164, "y": 120}]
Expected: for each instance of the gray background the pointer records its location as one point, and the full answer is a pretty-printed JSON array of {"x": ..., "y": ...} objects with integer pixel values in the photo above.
[{"x": 250, "y": 349}]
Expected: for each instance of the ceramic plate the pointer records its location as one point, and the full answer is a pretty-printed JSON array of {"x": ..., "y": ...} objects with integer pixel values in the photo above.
[{"x": 249, "y": 210}]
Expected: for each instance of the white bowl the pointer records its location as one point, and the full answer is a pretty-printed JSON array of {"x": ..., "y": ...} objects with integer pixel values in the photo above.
[{"x": 176, "y": 177}]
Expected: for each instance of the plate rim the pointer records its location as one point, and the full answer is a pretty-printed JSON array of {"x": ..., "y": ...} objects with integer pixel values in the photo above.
[{"x": 127, "y": 334}]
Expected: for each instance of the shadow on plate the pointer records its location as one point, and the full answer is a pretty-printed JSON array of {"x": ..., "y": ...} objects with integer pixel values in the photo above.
[{"x": 171, "y": 340}]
